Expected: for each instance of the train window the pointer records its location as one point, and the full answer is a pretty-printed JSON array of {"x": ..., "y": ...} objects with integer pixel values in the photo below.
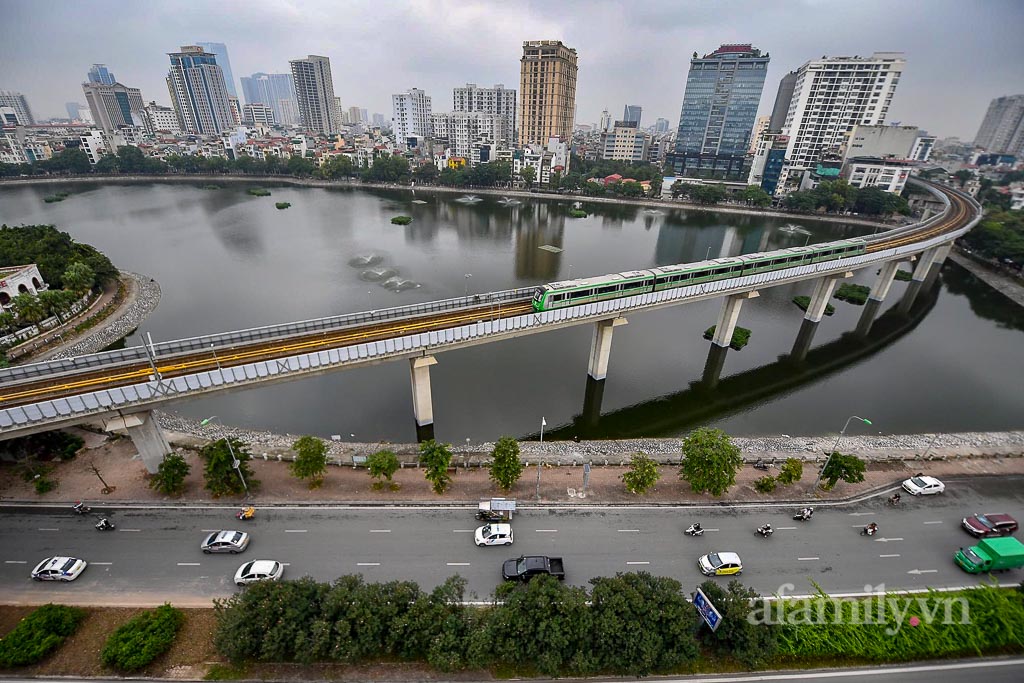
[
  {"x": 607, "y": 290},
  {"x": 737, "y": 269}
]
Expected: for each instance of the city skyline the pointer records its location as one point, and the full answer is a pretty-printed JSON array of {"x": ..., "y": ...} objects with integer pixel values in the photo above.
[{"x": 951, "y": 44}]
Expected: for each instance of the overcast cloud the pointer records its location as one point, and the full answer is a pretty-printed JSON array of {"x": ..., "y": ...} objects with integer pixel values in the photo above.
[{"x": 960, "y": 54}]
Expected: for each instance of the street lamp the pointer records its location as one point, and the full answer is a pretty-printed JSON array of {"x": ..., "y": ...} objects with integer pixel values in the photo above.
[
  {"x": 466, "y": 279},
  {"x": 543, "y": 424},
  {"x": 836, "y": 445},
  {"x": 213, "y": 349},
  {"x": 235, "y": 462}
]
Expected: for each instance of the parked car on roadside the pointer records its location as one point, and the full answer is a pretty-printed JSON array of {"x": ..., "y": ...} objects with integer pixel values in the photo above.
[{"x": 923, "y": 486}]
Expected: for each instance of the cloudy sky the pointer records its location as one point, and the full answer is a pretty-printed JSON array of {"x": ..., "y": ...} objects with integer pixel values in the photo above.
[{"x": 960, "y": 54}]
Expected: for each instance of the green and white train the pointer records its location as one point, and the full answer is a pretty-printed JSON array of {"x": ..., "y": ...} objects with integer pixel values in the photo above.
[{"x": 634, "y": 282}]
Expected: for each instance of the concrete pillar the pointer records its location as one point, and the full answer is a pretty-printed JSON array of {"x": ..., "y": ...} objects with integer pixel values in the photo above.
[
  {"x": 909, "y": 296},
  {"x": 803, "y": 341},
  {"x": 943, "y": 253},
  {"x": 713, "y": 366},
  {"x": 728, "y": 316},
  {"x": 822, "y": 293},
  {"x": 419, "y": 374},
  {"x": 601, "y": 347},
  {"x": 590, "y": 418},
  {"x": 924, "y": 263},
  {"x": 883, "y": 282},
  {"x": 146, "y": 436},
  {"x": 867, "y": 318}
]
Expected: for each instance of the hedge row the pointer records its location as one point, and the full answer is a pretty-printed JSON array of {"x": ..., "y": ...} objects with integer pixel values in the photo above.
[
  {"x": 139, "y": 641},
  {"x": 38, "y": 634}
]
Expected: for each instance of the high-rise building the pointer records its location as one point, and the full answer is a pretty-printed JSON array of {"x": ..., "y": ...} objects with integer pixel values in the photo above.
[
  {"x": 497, "y": 100},
  {"x": 314, "y": 92},
  {"x": 723, "y": 90},
  {"x": 547, "y": 92},
  {"x": 1002, "y": 129},
  {"x": 462, "y": 128},
  {"x": 236, "y": 109},
  {"x": 625, "y": 142},
  {"x": 99, "y": 74},
  {"x": 74, "y": 110},
  {"x": 410, "y": 115},
  {"x": 17, "y": 102},
  {"x": 198, "y": 92},
  {"x": 354, "y": 115},
  {"x": 632, "y": 112},
  {"x": 115, "y": 106},
  {"x": 258, "y": 114},
  {"x": 832, "y": 95},
  {"x": 270, "y": 89},
  {"x": 782, "y": 100},
  {"x": 289, "y": 112},
  {"x": 760, "y": 128},
  {"x": 379, "y": 120},
  {"x": 605, "y": 124},
  {"x": 220, "y": 51},
  {"x": 662, "y": 126}
]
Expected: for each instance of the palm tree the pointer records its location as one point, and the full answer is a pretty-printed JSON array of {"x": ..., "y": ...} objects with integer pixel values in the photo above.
[
  {"x": 79, "y": 278},
  {"x": 28, "y": 308}
]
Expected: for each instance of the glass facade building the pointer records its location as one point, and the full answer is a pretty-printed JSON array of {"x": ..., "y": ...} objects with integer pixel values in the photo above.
[{"x": 100, "y": 74}]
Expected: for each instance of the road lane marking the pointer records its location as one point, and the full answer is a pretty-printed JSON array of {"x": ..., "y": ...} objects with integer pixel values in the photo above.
[
  {"x": 923, "y": 571},
  {"x": 935, "y": 522},
  {"x": 286, "y": 564},
  {"x": 130, "y": 529},
  {"x": 462, "y": 531},
  {"x": 539, "y": 531},
  {"x": 893, "y": 555},
  {"x": 457, "y": 564},
  {"x": 49, "y": 529},
  {"x": 296, "y": 531},
  {"x": 784, "y": 528},
  {"x": 209, "y": 531},
  {"x": 860, "y": 514},
  {"x": 367, "y": 564},
  {"x": 886, "y": 540},
  {"x": 638, "y": 563},
  {"x": 808, "y": 559},
  {"x": 380, "y": 531},
  {"x": 710, "y": 529},
  {"x": 102, "y": 563},
  {"x": 15, "y": 561},
  {"x": 188, "y": 564},
  {"x": 629, "y": 531}
]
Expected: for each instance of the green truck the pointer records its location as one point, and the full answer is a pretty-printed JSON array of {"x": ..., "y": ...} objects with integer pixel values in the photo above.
[{"x": 990, "y": 555}]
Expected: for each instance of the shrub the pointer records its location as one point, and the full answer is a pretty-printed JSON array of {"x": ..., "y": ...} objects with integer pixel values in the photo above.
[
  {"x": 642, "y": 475},
  {"x": 710, "y": 461},
  {"x": 56, "y": 197},
  {"x": 854, "y": 294},
  {"x": 211, "y": 187},
  {"x": 38, "y": 634},
  {"x": 258, "y": 192},
  {"x": 791, "y": 471},
  {"x": 803, "y": 302},
  {"x": 170, "y": 475},
  {"x": 765, "y": 484},
  {"x": 142, "y": 639},
  {"x": 506, "y": 467},
  {"x": 310, "y": 460},
  {"x": 904, "y": 275},
  {"x": 44, "y": 485},
  {"x": 740, "y": 336},
  {"x": 282, "y": 205},
  {"x": 578, "y": 213},
  {"x": 402, "y": 220},
  {"x": 383, "y": 463}
]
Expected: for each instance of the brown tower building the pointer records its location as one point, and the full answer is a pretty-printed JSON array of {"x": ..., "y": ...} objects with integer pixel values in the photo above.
[{"x": 547, "y": 91}]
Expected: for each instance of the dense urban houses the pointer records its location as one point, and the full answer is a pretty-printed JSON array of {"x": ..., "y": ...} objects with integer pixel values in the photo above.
[
  {"x": 198, "y": 92},
  {"x": 1002, "y": 129},
  {"x": 16, "y": 102},
  {"x": 276, "y": 91},
  {"x": 220, "y": 51},
  {"x": 114, "y": 106},
  {"x": 723, "y": 90},
  {"x": 547, "y": 92},
  {"x": 411, "y": 115},
  {"x": 314, "y": 93}
]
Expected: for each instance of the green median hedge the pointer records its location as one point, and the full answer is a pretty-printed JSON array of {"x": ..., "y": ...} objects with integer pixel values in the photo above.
[
  {"x": 38, "y": 634},
  {"x": 142, "y": 639}
]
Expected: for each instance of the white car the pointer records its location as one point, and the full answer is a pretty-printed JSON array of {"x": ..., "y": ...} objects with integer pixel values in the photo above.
[
  {"x": 720, "y": 564},
  {"x": 225, "y": 542},
  {"x": 59, "y": 569},
  {"x": 258, "y": 570},
  {"x": 923, "y": 486},
  {"x": 494, "y": 534}
]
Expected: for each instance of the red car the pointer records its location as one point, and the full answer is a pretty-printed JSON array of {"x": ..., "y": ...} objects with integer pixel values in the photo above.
[{"x": 987, "y": 526}]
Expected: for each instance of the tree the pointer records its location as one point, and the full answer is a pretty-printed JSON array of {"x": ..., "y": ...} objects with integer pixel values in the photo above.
[
  {"x": 425, "y": 173},
  {"x": 679, "y": 189},
  {"x": 710, "y": 461},
  {"x": 79, "y": 278},
  {"x": 555, "y": 180},
  {"x": 53, "y": 302},
  {"x": 802, "y": 201},
  {"x": 383, "y": 463},
  {"x": 221, "y": 478},
  {"x": 740, "y": 634},
  {"x": 436, "y": 457},
  {"x": 300, "y": 166},
  {"x": 849, "y": 468},
  {"x": 791, "y": 471},
  {"x": 506, "y": 467},
  {"x": 108, "y": 163},
  {"x": 755, "y": 196},
  {"x": 528, "y": 174},
  {"x": 7, "y": 322},
  {"x": 707, "y": 194},
  {"x": 642, "y": 475},
  {"x": 310, "y": 460},
  {"x": 170, "y": 475},
  {"x": 28, "y": 308},
  {"x": 963, "y": 175}
]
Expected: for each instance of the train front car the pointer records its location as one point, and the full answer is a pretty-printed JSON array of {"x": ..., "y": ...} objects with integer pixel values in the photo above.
[{"x": 538, "y": 298}]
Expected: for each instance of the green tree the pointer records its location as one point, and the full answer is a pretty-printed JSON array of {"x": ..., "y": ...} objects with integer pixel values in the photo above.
[
  {"x": 791, "y": 471},
  {"x": 7, "y": 322},
  {"x": 739, "y": 634},
  {"x": 79, "y": 278},
  {"x": 383, "y": 463},
  {"x": 710, "y": 461},
  {"x": 170, "y": 475},
  {"x": 528, "y": 174},
  {"x": 425, "y": 173},
  {"x": 28, "y": 308},
  {"x": 54, "y": 302},
  {"x": 142, "y": 639},
  {"x": 802, "y": 201},
  {"x": 506, "y": 467},
  {"x": 300, "y": 166},
  {"x": 849, "y": 468},
  {"x": 963, "y": 175},
  {"x": 221, "y": 478},
  {"x": 555, "y": 180},
  {"x": 679, "y": 189},
  {"x": 642, "y": 474},
  {"x": 436, "y": 457},
  {"x": 108, "y": 164},
  {"x": 707, "y": 194},
  {"x": 755, "y": 196},
  {"x": 310, "y": 460},
  {"x": 52, "y": 251}
]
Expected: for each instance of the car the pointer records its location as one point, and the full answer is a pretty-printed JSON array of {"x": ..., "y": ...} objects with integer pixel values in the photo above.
[
  {"x": 225, "y": 542},
  {"x": 720, "y": 564},
  {"x": 59, "y": 569},
  {"x": 494, "y": 534},
  {"x": 987, "y": 526},
  {"x": 923, "y": 486},
  {"x": 258, "y": 570}
]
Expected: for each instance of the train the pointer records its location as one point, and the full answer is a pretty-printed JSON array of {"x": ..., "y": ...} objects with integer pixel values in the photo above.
[{"x": 631, "y": 283}]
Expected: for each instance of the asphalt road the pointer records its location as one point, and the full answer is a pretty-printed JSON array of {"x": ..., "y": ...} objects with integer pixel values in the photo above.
[{"x": 154, "y": 553}]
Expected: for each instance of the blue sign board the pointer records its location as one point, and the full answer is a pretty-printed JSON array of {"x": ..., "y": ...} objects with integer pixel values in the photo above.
[{"x": 712, "y": 617}]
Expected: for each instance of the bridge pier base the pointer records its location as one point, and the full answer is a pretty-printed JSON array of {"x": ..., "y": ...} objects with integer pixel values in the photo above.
[
  {"x": 822, "y": 293},
  {"x": 924, "y": 263},
  {"x": 729, "y": 315},
  {"x": 592, "y": 398},
  {"x": 713, "y": 366},
  {"x": 909, "y": 296},
  {"x": 803, "y": 340},
  {"x": 422, "y": 404},
  {"x": 867, "y": 317},
  {"x": 883, "y": 282},
  {"x": 601, "y": 347},
  {"x": 146, "y": 436}
]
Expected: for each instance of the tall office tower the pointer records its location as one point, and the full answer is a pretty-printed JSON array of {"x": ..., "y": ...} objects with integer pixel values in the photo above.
[
  {"x": 497, "y": 100},
  {"x": 236, "y": 110},
  {"x": 1002, "y": 130},
  {"x": 832, "y": 95},
  {"x": 605, "y": 123},
  {"x": 632, "y": 112},
  {"x": 198, "y": 92},
  {"x": 270, "y": 89},
  {"x": 760, "y": 128},
  {"x": 723, "y": 90},
  {"x": 114, "y": 106},
  {"x": 661, "y": 126},
  {"x": 99, "y": 74},
  {"x": 220, "y": 51},
  {"x": 289, "y": 112},
  {"x": 547, "y": 92},
  {"x": 782, "y": 100},
  {"x": 364, "y": 117},
  {"x": 410, "y": 114},
  {"x": 379, "y": 120},
  {"x": 17, "y": 102},
  {"x": 314, "y": 92},
  {"x": 72, "y": 109},
  {"x": 353, "y": 115}
]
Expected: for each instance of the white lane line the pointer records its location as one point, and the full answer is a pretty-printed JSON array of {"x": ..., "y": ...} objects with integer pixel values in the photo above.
[
  {"x": 209, "y": 531},
  {"x": 102, "y": 563},
  {"x": 457, "y": 564},
  {"x": 462, "y": 531},
  {"x": 367, "y": 564},
  {"x": 49, "y": 529},
  {"x": 188, "y": 564},
  {"x": 296, "y": 531},
  {"x": 286, "y": 564},
  {"x": 130, "y": 530},
  {"x": 710, "y": 529},
  {"x": 380, "y": 531},
  {"x": 539, "y": 531},
  {"x": 808, "y": 559},
  {"x": 935, "y": 522},
  {"x": 629, "y": 531},
  {"x": 893, "y": 555},
  {"x": 784, "y": 528},
  {"x": 638, "y": 563},
  {"x": 15, "y": 561}
]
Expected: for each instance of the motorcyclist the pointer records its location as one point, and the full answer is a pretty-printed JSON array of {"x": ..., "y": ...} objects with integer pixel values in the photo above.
[
  {"x": 895, "y": 499},
  {"x": 80, "y": 507},
  {"x": 247, "y": 512},
  {"x": 695, "y": 529},
  {"x": 807, "y": 512},
  {"x": 870, "y": 529},
  {"x": 104, "y": 524},
  {"x": 765, "y": 530}
]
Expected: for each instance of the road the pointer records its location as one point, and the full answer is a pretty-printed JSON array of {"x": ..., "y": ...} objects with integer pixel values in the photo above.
[{"x": 154, "y": 553}]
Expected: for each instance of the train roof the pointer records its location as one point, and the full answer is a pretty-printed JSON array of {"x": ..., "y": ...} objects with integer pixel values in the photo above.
[
  {"x": 699, "y": 265},
  {"x": 602, "y": 279}
]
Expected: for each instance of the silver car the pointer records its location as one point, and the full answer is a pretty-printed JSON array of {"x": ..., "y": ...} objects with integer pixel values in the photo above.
[{"x": 225, "y": 542}]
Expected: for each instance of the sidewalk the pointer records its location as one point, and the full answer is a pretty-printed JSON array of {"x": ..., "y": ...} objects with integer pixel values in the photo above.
[{"x": 561, "y": 485}]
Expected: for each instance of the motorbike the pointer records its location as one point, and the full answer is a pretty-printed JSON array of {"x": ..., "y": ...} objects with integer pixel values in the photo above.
[
  {"x": 804, "y": 514},
  {"x": 763, "y": 465},
  {"x": 894, "y": 500},
  {"x": 869, "y": 530},
  {"x": 694, "y": 529},
  {"x": 81, "y": 508},
  {"x": 246, "y": 513},
  {"x": 765, "y": 531},
  {"x": 489, "y": 516},
  {"x": 105, "y": 525}
]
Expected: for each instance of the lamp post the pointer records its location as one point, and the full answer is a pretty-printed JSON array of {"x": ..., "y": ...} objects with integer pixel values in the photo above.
[
  {"x": 836, "y": 445},
  {"x": 543, "y": 424},
  {"x": 213, "y": 350},
  {"x": 466, "y": 278},
  {"x": 235, "y": 462}
]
